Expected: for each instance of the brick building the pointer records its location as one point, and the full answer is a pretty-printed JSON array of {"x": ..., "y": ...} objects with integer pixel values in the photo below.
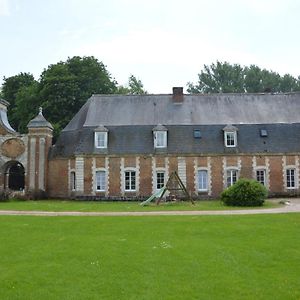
[{"x": 127, "y": 145}]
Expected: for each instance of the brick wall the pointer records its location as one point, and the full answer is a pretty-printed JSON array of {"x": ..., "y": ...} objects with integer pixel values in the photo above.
[
  {"x": 58, "y": 178},
  {"x": 58, "y": 181}
]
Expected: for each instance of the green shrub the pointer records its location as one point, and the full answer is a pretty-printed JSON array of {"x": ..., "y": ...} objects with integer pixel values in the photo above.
[
  {"x": 36, "y": 195},
  {"x": 245, "y": 192}
]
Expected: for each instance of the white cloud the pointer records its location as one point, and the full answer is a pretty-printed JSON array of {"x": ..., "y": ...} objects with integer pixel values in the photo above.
[{"x": 4, "y": 8}]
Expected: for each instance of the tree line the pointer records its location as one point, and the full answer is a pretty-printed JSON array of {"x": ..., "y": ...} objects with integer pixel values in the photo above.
[
  {"x": 61, "y": 90},
  {"x": 64, "y": 87},
  {"x": 223, "y": 77}
]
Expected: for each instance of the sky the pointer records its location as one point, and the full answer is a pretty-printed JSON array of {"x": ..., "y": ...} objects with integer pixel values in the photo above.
[{"x": 164, "y": 43}]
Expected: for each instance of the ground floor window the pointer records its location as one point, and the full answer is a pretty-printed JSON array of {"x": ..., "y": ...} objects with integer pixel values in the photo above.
[
  {"x": 202, "y": 180},
  {"x": 290, "y": 178},
  {"x": 160, "y": 179},
  {"x": 261, "y": 176},
  {"x": 232, "y": 176},
  {"x": 100, "y": 181},
  {"x": 130, "y": 180},
  {"x": 73, "y": 181}
]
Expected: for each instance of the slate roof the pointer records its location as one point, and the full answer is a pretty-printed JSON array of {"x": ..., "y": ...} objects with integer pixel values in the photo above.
[
  {"x": 39, "y": 121},
  {"x": 130, "y": 121}
]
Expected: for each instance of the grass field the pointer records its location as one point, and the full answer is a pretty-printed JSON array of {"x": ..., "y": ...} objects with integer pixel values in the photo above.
[
  {"x": 170, "y": 257},
  {"x": 60, "y": 205}
]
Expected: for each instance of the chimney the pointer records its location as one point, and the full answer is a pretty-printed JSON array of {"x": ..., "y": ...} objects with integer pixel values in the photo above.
[{"x": 177, "y": 95}]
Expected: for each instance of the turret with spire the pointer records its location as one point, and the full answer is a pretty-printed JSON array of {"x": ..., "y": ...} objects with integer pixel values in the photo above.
[{"x": 40, "y": 134}]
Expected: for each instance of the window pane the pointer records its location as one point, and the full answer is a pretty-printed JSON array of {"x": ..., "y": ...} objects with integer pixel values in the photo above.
[
  {"x": 73, "y": 181},
  {"x": 202, "y": 180},
  {"x": 160, "y": 180},
  {"x": 260, "y": 176},
  {"x": 161, "y": 139},
  {"x": 130, "y": 180},
  {"x": 230, "y": 141},
  {"x": 231, "y": 177},
  {"x": 127, "y": 180},
  {"x": 100, "y": 181},
  {"x": 290, "y": 178},
  {"x": 101, "y": 139}
]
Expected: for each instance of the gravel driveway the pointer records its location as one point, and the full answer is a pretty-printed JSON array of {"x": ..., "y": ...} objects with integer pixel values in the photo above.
[{"x": 292, "y": 207}]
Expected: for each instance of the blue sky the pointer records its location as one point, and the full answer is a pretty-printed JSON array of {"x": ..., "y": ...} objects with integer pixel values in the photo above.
[{"x": 163, "y": 43}]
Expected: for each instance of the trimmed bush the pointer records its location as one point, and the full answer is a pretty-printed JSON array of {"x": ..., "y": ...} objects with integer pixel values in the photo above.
[{"x": 245, "y": 192}]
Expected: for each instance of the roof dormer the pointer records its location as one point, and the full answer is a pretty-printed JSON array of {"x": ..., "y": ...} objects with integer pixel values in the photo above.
[
  {"x": 160, "y": 136},
  {"x": 230, "y": 136},
  {"x": 101, "y": 137}
]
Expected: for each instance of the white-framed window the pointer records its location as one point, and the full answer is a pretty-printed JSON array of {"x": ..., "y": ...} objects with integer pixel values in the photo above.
[
  {"x": 232, "y": 177},
  {"x": 202, "y": 180},
  {"x": 130, "y": 180},
  {"x": 160, "y": 179},
  {"x": 100, "y": 181},
  {"x": 100, "y": 139},
  {"x": 290, "y": 178},
  {"x": 261, "y": 176},
  {"x": 73, "y": 181},
  {"x": 160, "y": 139},
  {"x": 230, "y": 139}
]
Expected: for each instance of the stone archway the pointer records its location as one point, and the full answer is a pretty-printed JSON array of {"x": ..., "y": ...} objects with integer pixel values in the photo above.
[{"x": 14, "y": 176}]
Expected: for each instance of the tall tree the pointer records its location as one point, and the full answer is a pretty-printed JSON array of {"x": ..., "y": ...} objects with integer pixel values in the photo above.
[
  {"x": 64, "y": 87},
  {"x": 219, "y": 78},
  {"x": 134, "y": 87},
  {"x": 289, "y": 84},
  {"x": 26, "y": 106},
  {"x": 10, "y": 89},
  {"x": 224, "y": 78}
]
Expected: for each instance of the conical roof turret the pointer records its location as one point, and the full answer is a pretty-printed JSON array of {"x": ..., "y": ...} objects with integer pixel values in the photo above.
[{"x": 39, "y": 121}]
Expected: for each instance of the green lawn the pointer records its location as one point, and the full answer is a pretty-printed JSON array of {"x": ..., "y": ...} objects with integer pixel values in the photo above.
[
  {"x": 67, "y": 205},
  {"x": 163, "y": 257}
]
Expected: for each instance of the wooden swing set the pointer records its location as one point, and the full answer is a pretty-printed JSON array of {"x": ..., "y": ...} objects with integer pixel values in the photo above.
[{"x": 174, "y": 185}]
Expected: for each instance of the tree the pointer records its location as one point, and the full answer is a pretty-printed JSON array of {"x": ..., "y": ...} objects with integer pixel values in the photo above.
[
  {"x": 289, "y": 84},
  {"x": 64, "y": 87},
  {"x": 227, "y": 78},
  {"x": 219, "y": 78},
  {"x": 26, "y": 106},
  {"x": 10, "y": 89},
  {"x": 134, "y": 87}
]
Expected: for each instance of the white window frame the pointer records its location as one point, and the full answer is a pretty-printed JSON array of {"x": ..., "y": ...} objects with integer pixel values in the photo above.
[
  {"x": 130, "y": 178},
  {"x": 226, "y": 134},
  {"x": 264, "y": 182},
  {"x": 163, "y": 138},
  {"x": 294, "y": 186},
  {"x": 104, "y": 134},
  {"x": 73, "y": 180},
  {"x": 200, "y": 188},
  {"x": 160, "y": 171},
  {"x": 230, "y": 171},
  {"x": 103, "y": 189}
]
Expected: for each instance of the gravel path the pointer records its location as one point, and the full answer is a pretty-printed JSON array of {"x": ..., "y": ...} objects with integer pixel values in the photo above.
[{"x": 292, "y": 207}]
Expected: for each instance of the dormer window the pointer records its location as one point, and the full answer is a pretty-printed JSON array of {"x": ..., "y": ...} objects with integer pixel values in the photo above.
[
  {"x": 160, "y": 136},
  {"x": 101, "y": 137},
  {"x": 230, "y": 136}
]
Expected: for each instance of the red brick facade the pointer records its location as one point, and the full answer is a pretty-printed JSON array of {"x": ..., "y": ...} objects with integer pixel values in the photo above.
[{"x": 274, "y": 167}]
